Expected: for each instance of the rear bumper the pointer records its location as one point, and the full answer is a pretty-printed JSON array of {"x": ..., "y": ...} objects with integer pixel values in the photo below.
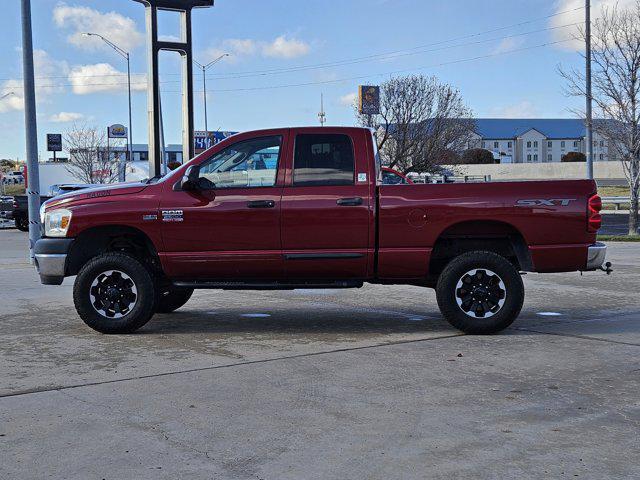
[
  {"x": 596, "y": 255},
  {"x": 51, "y": 259}
]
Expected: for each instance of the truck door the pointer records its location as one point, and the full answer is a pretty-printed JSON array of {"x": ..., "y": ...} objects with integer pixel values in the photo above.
[
  {"x": 230, "y": 230},
  {"x": 326, "y": 217}
]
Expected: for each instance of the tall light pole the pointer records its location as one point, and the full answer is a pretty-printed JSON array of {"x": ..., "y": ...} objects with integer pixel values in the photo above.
[
  {"x": 31, "y": 129},
  {"x": 204, "y": 83},
  {"x": 589, "y": 99},
  {"x": 121, "y": 52}
]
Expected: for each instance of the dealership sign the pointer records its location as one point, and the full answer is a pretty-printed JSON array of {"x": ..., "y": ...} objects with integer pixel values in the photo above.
[
  {"x": 117, "y": 131},
  {"x": 369, "y": 99},
  {"x": 54, "y": 142},
  {"x": 203, "y": 140}
]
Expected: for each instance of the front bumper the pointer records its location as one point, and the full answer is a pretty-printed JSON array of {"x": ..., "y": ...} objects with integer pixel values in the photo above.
[
  {"x": 51, "y": 259},
  {"x": 596, "y": 255}
]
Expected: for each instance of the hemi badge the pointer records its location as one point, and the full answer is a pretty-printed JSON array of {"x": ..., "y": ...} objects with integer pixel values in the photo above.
[
  {"x": 149, "y": 218},
  {"x": 172, "y": 215}
]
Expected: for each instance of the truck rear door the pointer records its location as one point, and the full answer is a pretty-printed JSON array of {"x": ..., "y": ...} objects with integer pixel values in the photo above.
[{"x": 326, "y": 212}]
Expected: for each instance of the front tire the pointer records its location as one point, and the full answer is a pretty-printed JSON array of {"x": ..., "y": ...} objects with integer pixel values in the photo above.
[
  {"x": 480, "y": 292},
  {"x": 114, "y": 293}
]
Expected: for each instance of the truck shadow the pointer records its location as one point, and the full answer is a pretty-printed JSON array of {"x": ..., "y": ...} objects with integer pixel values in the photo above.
[{"x": 284, "y": 322}]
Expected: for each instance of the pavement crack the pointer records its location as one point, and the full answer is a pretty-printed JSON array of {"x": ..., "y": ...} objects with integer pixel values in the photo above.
[
  {"x": 573, "y": 335},
  {"x": 60, "y": 388}
]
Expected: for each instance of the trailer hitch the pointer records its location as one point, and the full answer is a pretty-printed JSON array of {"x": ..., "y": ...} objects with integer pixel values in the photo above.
[{"x": 606, "y": 268}]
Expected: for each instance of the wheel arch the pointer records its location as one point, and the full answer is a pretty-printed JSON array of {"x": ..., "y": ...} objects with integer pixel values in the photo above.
[
  {"x": 495, "y": 236},
  {"x": 111, "y": 238}
]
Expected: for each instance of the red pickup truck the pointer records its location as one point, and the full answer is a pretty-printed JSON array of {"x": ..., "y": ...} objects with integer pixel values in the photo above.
[{"x": 306, "y": 208}]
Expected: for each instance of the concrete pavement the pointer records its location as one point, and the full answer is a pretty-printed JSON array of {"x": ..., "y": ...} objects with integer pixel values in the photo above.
[{"x": 367, "y": 383}]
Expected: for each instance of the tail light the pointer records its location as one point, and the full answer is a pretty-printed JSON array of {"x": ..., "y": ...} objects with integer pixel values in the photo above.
[{"x": 594, "y": 219}]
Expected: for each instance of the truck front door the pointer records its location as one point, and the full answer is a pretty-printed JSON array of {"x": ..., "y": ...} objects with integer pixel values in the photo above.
[
  {"x": 326, "y": 212},
  {"x": 230, "y": 229}
]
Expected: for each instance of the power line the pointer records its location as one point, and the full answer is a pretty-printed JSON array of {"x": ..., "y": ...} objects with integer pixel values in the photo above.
[{"x": 88, "y": 85}]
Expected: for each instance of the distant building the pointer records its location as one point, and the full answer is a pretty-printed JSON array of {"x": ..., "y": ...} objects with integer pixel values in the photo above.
[{"x": 533, "y": 140}]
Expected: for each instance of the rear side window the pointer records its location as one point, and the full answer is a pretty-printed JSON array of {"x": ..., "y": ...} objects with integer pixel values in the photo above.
[{"x": 323, "y": 159}]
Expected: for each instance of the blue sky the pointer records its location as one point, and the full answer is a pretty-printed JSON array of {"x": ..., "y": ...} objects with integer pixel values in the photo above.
[{"x": 79, "y": 79}]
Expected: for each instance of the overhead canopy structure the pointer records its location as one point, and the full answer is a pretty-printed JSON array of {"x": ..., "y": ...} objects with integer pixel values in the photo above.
[{"x": 183, "y": 47}]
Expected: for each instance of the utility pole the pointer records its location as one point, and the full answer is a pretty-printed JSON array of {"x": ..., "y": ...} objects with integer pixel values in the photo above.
[
  {"x": 322, "y": 116},
  {"x": 125, "y": 55},
  {"x": 589, "y": 114},
  {"x": 31, "y": 128},
  {"x": 204, "y": 68}
]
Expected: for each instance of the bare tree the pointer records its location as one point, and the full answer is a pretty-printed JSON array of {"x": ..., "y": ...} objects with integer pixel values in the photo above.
[
  {"x": 421, "y": 122},
  {"x": 90, "y": 158},
  {"x": 616, "y": 91}
]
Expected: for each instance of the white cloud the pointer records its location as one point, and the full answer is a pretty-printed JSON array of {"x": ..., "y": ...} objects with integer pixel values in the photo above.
[
  {"x": 348, "y": 100},
  {"x": 102, "y": 77},
  {"x": 507, "y": 45},
  {"x": 64, "y": 117},
  {"x": 523, "y": 109},
  {"x": 575, "y": 14},
  {"x": 49, "y": 75},
  {"x": 119, "y": 29},
  {"x": 283, "y": 47}
]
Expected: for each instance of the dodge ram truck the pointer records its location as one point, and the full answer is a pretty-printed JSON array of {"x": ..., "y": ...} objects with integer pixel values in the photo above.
[{"x": 307, "y": 208}]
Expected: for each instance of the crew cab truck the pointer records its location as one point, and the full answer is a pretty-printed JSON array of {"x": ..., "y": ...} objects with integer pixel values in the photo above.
[{"x": 307, "y": 208}]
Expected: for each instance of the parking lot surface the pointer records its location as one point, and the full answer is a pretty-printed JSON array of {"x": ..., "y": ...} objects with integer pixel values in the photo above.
[{"x": 346, "y": 384}]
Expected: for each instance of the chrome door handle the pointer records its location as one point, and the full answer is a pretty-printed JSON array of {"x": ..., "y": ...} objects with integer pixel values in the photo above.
[
  {"x": 261, "y": 204},
  {"x": 349, "y": 202}
]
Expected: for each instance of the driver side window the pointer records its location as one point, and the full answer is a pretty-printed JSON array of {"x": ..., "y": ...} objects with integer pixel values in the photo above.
[{"x": 251, "y": 163}]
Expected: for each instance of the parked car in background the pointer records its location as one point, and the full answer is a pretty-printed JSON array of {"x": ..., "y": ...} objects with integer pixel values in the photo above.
[
  {"x": 21, "y": 205},
  {"x": 393, "y": 177},
  {"x": 6, "y": 207},
  {"x": 13, "y": 178},
  {"x": 317, "y": 215}
]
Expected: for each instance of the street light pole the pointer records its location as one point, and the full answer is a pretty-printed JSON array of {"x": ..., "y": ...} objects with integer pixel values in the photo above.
[
  {"x": 126, "y": 56},
  {"x": 589, "y": 99},
  {"x": 31, "y": 129},
  {"x": 204, "y": 84}
]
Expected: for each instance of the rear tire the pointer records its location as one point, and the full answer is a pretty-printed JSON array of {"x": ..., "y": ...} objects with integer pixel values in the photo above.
[
  {"x": 480, "y": 292},
  {"x": 172, "y": 298},
  {"x": 114, "y": 293}
]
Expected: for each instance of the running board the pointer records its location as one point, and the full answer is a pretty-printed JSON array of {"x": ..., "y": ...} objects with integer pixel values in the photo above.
[{"x": 268, "y": 285}]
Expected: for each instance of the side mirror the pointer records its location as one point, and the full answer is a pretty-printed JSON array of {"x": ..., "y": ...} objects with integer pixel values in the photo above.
[{"x": 190, "y": 178}]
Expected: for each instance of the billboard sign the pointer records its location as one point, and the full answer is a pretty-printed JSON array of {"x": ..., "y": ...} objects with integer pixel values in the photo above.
[
  {"x": 369, "y": 99},
  {"x": 117, "y": 131},
  {"x": 54, "y": 142},
  {"x": 177, "y": 4},
  {"x": 203, "y": 140}
]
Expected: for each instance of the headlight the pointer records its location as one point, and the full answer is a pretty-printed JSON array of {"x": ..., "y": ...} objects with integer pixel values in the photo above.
[
  {"x": 42, "y": 209},
  {"x": 56, "y": 222}
]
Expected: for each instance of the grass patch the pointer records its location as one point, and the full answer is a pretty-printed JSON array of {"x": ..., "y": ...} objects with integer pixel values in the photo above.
[
  {"x": 14, "y": 189},
  {"x": 619, "y": 238},
  {"x": 613, "y": 191}
]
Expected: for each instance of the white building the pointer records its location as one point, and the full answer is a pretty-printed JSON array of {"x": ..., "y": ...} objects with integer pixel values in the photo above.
[{"x": 536, "y": 140}]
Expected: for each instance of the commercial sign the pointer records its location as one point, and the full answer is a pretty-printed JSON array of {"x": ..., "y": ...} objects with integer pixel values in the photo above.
[
  {"x": 203, "y": 140},
  {"x": 177, "y": 4},
  {"x": 117, "y": 131},
  {"x": 54, "y": 142},
  {"x": 369, "y": 99}
]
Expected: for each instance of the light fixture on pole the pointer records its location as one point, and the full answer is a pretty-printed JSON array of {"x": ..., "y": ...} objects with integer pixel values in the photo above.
[
  {"x": 121, "y": 52},
  {"x": 204, "y": 68},
  {"x": 7, "y": 95}
]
